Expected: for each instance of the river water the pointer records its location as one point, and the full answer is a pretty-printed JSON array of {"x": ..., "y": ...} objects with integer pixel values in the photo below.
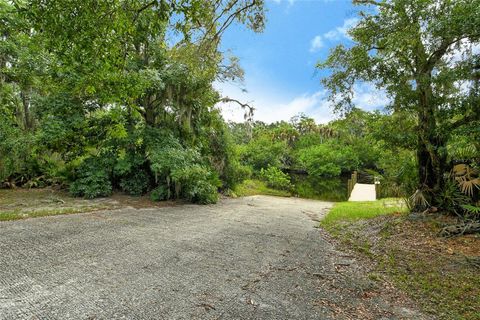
[{"x": 320, "y": 188}]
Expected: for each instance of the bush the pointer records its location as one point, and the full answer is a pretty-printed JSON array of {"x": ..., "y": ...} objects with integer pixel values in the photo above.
[
  {"x": 92, "y": 180},
  {"x": 17, "y": 160},
  {"x": 263, "y": 152},
  {"x": 235, "y": 173},
  {"x": 328, "y": 160},
  {"x": 399, "y": 174},
  {"x": 136, "y": 183},
  {"x": 451, "y": 198},
  {"x": 160, "y": 193},
  {"x": 256, "y": 187},
  {"x": 179, "y": 167},
  {"x": 92, "y": 185},
  {"x": 196, "y": 183},
  {"x": 275, "y": 178},
  {"x": 202, "y": 192}
]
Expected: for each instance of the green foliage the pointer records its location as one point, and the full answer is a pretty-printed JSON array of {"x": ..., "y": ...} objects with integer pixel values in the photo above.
[
  {"x": 179, "y": 169},
  {"x": 63, "y": 124},
  {"x": 325, "y": 152},
  {"x": 411, "y": 58},
  {"x": 16, "y": 161},
  {"x": 263, "y": 152},
  {"x": 196, "y": 183},
  {"x": 117, "y": 103},
  {"x": 160, "y": 193},
  {"x": 275, "y": 178},
  {"x": 235, "y": 173},
  {"x": 320, "y": 188},
  {"x": 83, "y": 97},
  {"x": 165, "y": 161},
  {"x": 136, "y": 183},
  {"x": 130, "y": 170},
  {"x": 328, "y": 160},
  {"x": 471, "y": 211},
  {"x": 451, "y": 199},
  {"x": 399, "y": 173},
  {"x": 92, "y": 179}
]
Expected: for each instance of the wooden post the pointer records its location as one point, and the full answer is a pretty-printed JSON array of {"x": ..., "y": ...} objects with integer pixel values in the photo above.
[
  {"x": 352, "y": 182},
  {"x": 349, "y": 188}
]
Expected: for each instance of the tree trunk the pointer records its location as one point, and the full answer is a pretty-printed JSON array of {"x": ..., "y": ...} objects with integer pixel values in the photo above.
[
  {"x": 27, "y": 118},
  {"x": 430, "y": 150},
  {"x": 150, "y": 115}
]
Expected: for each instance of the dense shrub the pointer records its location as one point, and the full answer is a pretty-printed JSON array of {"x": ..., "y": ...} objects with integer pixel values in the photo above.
[
  {"x": 263, "y": 152},
  {"x": 328, "y": 159},
  {"x": 92, "y": 185},
  {"x": 136, "y": 183},
  {"x": 451, "y": 198},
  {"x": 202, "y": 192},
  {"x": 275, "y": 178},
  {"x": 160, "y": 193},
  {"x": 235, "y": 173},
  {"x": 321, "y": 188},
  {"x": 399, "y": 174},
  {"x": 17, "y": 161},
  {"x": 196, "y": 183},
  {"x": 92, "y": 179},
  {"x": 181, "y": 171}
]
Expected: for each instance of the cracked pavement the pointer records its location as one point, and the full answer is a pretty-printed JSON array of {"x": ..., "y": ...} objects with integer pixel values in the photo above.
[{"x": 247, "y": 258}]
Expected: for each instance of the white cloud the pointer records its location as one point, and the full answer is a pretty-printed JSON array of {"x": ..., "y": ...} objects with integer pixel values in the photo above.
[
  {"x": 367, "y": 97},
  {"x": 341, "y": 32},
  {"x": 336, "y": 34},
  {"x": 347, "y": 25},
  {"x": 290, "y": 2},
  {"x": 332, "y": 35},
  {"x": 271, "y": 106},
  {"x": 311, "y": 104},
  {"x": 316, "y": 44},
  {"x": 461, "y": 51}
]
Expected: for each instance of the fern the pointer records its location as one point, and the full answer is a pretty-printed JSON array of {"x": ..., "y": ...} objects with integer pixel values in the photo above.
[{"x": 471, "y": 209}]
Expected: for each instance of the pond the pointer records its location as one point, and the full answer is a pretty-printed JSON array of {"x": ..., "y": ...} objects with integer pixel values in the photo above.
[{"x": 320, "y": 188}]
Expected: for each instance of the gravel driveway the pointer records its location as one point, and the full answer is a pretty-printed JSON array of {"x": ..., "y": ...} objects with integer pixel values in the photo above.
[{"x": 248, "y": 258}]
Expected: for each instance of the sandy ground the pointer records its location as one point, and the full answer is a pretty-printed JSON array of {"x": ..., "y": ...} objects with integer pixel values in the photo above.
[{"x": 248, "y": 258}]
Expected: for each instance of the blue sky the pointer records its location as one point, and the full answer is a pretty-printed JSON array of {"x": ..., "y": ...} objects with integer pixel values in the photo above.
[{"x": 279, "y": 64}]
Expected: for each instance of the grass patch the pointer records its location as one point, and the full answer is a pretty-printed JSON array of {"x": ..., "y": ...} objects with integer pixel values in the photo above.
[
  {"x": 20, "y": 203},
  {"x": 17, "y": 214},
  {"x": 441, "y": 275},
  {"x": 350, "y": 211},
  {"x": 444, "y": 289},
  {"x": 253, "y": 187}
]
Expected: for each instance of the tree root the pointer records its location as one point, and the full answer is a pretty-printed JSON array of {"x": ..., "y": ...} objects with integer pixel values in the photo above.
[{"x": 460, "y": 229}]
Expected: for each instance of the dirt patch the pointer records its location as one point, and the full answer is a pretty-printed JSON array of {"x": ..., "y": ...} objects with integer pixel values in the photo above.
[
  {"x": 141, "y": 202},
  {"x": 24, "y": 203},
  {"x": 443, "y": 274}
]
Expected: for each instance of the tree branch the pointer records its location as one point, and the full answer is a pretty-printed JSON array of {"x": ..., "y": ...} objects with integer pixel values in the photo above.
[
  {"x": 145, "y": 7},
  {"x": 442, "y": 50},
  {"x": 464, "y": 121},
  {"x": 248, "y": 108}
]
